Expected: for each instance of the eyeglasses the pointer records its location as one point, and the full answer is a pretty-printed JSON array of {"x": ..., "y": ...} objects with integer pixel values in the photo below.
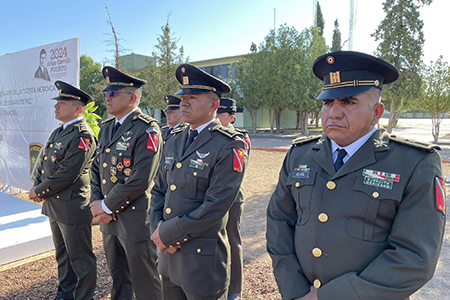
[{"x": 112, "y": 94}]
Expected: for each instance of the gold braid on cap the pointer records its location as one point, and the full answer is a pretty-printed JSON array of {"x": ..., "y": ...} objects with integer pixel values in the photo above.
[
  {"x": 201, "y": 87},
  {"x": 351, "y": 83},
  {"x": 173, "y": 105},
  {"x": 69, "y": 96},
  {"x": 118, "y": 83}
]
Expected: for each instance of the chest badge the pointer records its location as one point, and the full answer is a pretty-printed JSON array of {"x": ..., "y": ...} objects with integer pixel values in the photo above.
[
  {"x": 380, "y": 179},
  {"x": 301, "y": 172},
  {"x": 197, "y": 164},
  {"x": 202, "y": 155},
  {"x": 122, "y": 146},
  {"x": 127, "y": 136}
]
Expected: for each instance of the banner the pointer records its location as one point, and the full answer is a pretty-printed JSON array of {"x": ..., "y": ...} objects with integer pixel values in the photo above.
[{"x": 27, "y": 115}]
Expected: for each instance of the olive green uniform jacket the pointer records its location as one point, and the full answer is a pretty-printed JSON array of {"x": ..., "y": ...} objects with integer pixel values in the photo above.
[
  {"x": 356, "y": 233},
  {"x": 192, "y": 196},
  {"x": 123, "y": 172},
  {"x": 63, "y": 174}
]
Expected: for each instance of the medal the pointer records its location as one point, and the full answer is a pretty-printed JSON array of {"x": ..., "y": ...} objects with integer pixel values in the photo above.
[
  {"x": 113, "y": 171},
  {"x": 202, "y": 155},
  {"x": 127, "y": 136},
  {"x": 114, "y": 160},
  {"x": 119, "y": 166},
  {"x": 127, "y": 162},
  {"x": 53, "y": 159},
  {"x": 113, "y": 179},
  {"x": 127, "y": 172}
]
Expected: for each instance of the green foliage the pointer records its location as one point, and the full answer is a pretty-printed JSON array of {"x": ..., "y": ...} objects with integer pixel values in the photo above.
[
  {"x": 336, "y": 43},
  {"x": 320, "y": 21},
  {"x": 92, "y": 118},
  {"x": 160, "y": 75},
  {"x": 401, "y": 43},
  {"x": 92, "y": 81},
  {"x": 435, "y": 96}
]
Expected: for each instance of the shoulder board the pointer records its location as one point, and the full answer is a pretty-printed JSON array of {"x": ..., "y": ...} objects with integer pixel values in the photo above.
[
  {"x": 305, "y": 139},
  {"x": 415, "y": 144},
  {"x": 166, "y": 126},
  {"x": 107, "y": 120},
  {"x": 82, "y": 127},
  {"x": 145, "y": 118},
  {"x": 228, "y": 133},
  {"x": 241, "y": 130},
  {"x": 177, "y": 130}
]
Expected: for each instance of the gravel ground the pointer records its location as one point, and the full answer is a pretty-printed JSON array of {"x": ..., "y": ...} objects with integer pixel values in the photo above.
[{"x": 37, "y": 279}]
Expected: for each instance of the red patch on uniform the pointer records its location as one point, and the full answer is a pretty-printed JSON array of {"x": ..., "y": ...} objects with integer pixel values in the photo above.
[
  {"x": 440, "y": 194},
  {"x": 84, "y": 144},
  {"x": 247, "y": 142},
  {"x": 238, "y": 160},
  {"x": 152, "y": 142},
  {"x": 127, "y": 162}
]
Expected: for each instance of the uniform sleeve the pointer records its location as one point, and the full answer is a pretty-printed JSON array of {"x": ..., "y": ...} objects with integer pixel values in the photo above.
[
  {"x": 96, "y": 191},
  {"x": 158, "y": 197},
  {"x": 415, "y": 243},
  {"x": 281, "y": 220},
  {"x": 145, "y": 166},
  {"x": 221, "y": 194},
  {"x": 75, "y": 160}
]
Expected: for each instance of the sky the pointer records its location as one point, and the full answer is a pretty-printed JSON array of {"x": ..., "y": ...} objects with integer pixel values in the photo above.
[{"x": 206, "y": 29}]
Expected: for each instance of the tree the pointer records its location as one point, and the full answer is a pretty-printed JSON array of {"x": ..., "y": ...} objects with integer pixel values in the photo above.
[
  {"x": 320, "y": 25},
  {"x": 160, "y": 72},
  {"x": 436, "y": 94},
  {"x": 92, "y": 81},
  {"x": 336, "y": 43},
  {"x": 114, "y": 44},
  {"x": 401, "y": 43}
]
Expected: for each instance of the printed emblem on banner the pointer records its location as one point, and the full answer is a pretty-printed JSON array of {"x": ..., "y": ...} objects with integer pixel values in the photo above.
[
  {"x": 127, "y": 162},
  {"x": 119, "y": 167},
  {"x": 113, "y": 160},
  {"x": 113, "y": 171},
  {"x": 127, "y": 136},
  {"x": 197, "y": 164},
  {"x": 152, "y": 142},
  {"x": 440, "y": 195},
  {"x": 202, "y": 155},
  {"x": 127, "y": 172},
  {"x": 36, "y": 152},
  {"x": 84, "y": 143},
  {"x": 113, "y": 179},
  {"x": 58, "y": 146},
  {"x": 238, "y": 160},
  {"x": 122, "y": 146}
]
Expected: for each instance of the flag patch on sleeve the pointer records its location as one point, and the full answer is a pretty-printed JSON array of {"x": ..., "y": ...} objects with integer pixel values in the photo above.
[
  {"x": 238, "y": 160},
  {"x": 152, "y": 142},
  {"x": 84, "y": 144},
  {"x": 440, "y": 194}
]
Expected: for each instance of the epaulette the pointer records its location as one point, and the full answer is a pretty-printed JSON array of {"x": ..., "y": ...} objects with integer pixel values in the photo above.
[
  {"x": 145, "y": 118},
  {"x": 177, "y": 130},
  {"x": 227, "y": 132},
  {"x": 107, "y": 120},
  {"x": 81, "y": 127},
  {"x": 305, "y": 139},
  {"x": 165, "y": 126},
  {"x": 415, "y": 144},
  {"x": 241, "y": 130}
]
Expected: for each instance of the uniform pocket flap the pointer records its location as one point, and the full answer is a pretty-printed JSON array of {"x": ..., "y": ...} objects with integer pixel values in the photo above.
[
  {"x": 379, "y": 189},
  {"x": 64, "y": 195},
  {"x": 200, "y": 246}
]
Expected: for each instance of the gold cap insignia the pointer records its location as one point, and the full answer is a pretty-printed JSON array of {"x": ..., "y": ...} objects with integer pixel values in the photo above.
[
  {"x": 330, "y": 60},
  {"x": 185, "y": 79}
]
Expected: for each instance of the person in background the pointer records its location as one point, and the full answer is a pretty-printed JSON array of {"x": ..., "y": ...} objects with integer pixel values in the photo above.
[{"x": 173, "y": 116}]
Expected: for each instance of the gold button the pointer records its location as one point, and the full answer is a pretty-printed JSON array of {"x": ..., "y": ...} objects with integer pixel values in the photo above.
[
  {"x": 199, "y": 250},
  {"x": 331, "y": 185},
  {"x": 57, "y": 197},
  {"x": 55, "y": 151},
  {"x": 323, "y": 217},
  {"x": 42, "y": 171},
  {"x": 178, "y": 243},
  {"x": 120, "y": 154},
  {"x": 107, "y": 150},
  {"x": 128, "y": 202},
  {"x": 122, "y": 207},
  {"x": 51, "y": 145},
  {"x": 117, "y": 211},
  {"x": 179, "y": 165},
  {"x": 170, "y": 246},
  {"x": 48, "y": 190},
  {"x": 195, "y": 173},
  {"x": 105, "y": 196},
  {"x": 105, "y": 165},
  {"x": 168, "y": 210},
  {"x": 104, "y": 181},
  {"x": 173, "y": 187},
  {"x": 43, "y": 192},
  {"x": 317, "y": 283},
  {"x": 45, "y": 158},
  {"x": 375, "y": 194},
  {"x": 39, "y": 195},
  {"x": 185, "y": 240},
  {"x": 297, "y": 184},
  {"x": 317, "y": 252},
  {"x": 133, "y": 208}
]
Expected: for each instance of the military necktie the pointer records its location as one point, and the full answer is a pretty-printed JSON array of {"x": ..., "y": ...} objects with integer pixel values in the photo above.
[
  {"x": 340, "y": 159},
  {"x": 168, "y": 133},
  {"x": 60, "y": 129},
  {"x": 116, "y": 128},
  {"x": 191, "y": 138}
]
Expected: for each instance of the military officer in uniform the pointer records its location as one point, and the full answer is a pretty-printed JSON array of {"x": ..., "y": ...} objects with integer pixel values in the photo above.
[
  {"x": 226, "y": 115},
  {"x": 127, "y": 158},
  {"x": 62, "y": 183},
  {"x": 173, "y": 116},
  {"x": 199, "y": 178},
  {"x": 356, "y": 214}
]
